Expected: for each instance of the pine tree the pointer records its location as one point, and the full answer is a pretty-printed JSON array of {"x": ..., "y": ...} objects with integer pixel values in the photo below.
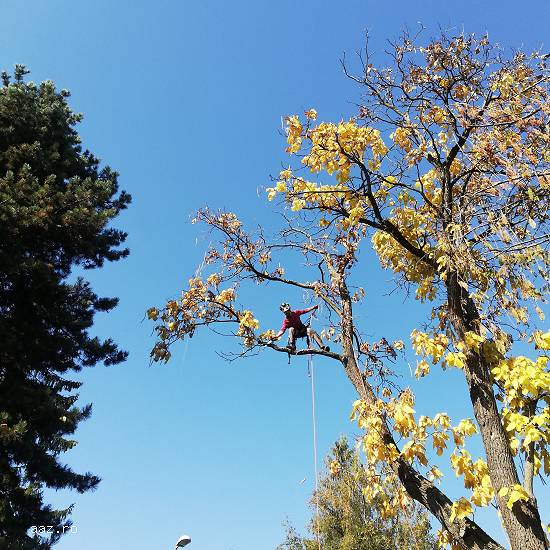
[{"x": 55, "y": 207}]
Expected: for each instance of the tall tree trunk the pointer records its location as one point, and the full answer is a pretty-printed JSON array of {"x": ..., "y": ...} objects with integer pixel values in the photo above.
[
  {"x": 529, "y": 472},
  {"x": 466, "y": 532},
  {"x": 522, "y": 523}
]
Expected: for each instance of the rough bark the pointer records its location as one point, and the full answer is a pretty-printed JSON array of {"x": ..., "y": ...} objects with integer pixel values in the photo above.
[
  {"x": 529, "y": 472},
  {"x": 522, "y": 523},
  {"x": 466, "y": 532}
]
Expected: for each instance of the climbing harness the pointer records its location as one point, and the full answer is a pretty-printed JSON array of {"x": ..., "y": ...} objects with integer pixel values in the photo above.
[{"x": 308, "y": 341}]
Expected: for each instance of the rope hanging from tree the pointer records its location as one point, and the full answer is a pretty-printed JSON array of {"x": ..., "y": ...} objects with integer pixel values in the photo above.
[{"x": 311, "y": 375}]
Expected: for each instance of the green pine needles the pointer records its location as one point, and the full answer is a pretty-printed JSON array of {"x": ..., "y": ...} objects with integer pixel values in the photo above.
[{"x": 56, "y": 205}]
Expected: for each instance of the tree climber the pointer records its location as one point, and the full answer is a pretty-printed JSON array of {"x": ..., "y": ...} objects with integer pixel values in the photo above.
[{"x": 297, "y": 329}]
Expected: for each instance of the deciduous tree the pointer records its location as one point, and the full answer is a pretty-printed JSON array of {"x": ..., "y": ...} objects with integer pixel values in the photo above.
[{"x": 445, "y": 172}]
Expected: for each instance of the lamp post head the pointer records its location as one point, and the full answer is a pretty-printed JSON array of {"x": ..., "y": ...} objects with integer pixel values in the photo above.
[{"x": 183, "y": 541}]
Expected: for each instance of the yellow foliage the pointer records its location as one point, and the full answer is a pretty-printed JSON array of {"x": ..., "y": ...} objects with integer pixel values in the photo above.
[
  {"x": 454, "y": 234},
  {"x": 455, "y": 359},
  {"x": 473, "y": 340},
  {"x": 334, "y": 467},
  {"x": 403, "y": 418},
  {"x": 294, "y": 134},
  {"x": 433, "y": 347},
  {"x": 439, "y": 442},
  {"x": 414, "y": 450},
  {"x": 466, "y": 427},
  {"x": 268, "y": 335},
  {"x": 542, "y": 340},
  {"x": 460, "y": 509},
  {"x": 445, "y": 538},
  {"x": 422, "y": 369},
  {"x": 434, "y": 473},
  {"x": 225, "y": 296},
  {"x": 311, "y": 114},
  {"x": 247, "y": 320},
  {"x": 515, "y": 493}
]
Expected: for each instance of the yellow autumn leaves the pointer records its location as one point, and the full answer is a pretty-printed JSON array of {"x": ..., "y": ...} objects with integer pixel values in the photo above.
[
  {"x": 203, "y": 303},
  {"x": 333, "y": 148},
  {"x": 522, "y": 380},
  {"x": 525, "y": 383},
  {"x": 439, "y": 428},
  {"x": 476, "y": 476},
  {"x": 460, "y": 509},
  {"x": 247, "y": 321},
  {"x": 514, "y": 493}
]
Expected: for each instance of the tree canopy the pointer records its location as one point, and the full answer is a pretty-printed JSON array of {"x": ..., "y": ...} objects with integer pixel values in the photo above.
[
  {"x": 56, "y": 204},
  {"x": 444, "y": 171}
]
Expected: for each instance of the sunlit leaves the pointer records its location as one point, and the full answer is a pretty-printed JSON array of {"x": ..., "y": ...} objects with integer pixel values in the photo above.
[
  {"x": 514, "y": 494},
  {"x": 444, "y": 172},
  {"x": 460, "y": 509}
]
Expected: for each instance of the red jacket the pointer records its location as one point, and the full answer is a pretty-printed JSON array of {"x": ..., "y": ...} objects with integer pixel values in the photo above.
[{"x": 293, "y": 320}]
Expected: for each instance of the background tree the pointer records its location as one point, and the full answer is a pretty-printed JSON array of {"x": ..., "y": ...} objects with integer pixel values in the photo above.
[
  {"x": 349, "y": 521},
  {"x": 55, "y": 207},
  {"x": 445, "y": 170}
]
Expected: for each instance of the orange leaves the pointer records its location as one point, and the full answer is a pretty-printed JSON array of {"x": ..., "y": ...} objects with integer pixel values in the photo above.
[{"x": 152, "y": 313}]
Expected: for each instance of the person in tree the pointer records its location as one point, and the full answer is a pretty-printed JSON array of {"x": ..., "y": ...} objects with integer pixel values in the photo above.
[{"x": 297, "y": 329}]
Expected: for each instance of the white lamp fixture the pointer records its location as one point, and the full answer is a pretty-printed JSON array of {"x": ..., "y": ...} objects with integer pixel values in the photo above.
[{"x": 183, "y": 541}]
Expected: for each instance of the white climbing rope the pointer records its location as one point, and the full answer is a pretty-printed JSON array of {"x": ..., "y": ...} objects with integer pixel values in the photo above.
[{"x": 311, "y": 374}]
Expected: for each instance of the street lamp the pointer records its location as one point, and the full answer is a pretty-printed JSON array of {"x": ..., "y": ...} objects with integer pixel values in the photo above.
[{"x": 183, "y": 541}]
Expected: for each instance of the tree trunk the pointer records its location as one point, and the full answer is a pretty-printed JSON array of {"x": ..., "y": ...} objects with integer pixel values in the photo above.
[
  {"x": 522, "y": 524},
  {"x": 466, "y": 532},
  {"x": 529, "y": 470},
  {"x": 529, "y": 473}
]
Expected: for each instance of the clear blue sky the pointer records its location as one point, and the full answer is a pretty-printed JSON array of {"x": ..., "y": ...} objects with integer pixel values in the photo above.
[{"x": 185, "y": 99}]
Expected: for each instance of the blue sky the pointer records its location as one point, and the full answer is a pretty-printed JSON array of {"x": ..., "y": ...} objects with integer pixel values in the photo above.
[{"x": 185, "y": 100}]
